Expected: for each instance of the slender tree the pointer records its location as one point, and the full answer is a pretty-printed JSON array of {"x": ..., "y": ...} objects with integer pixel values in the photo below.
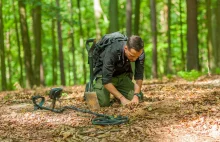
[
  {"x": 26, "y": 44},
  {"x": 217, "y": 48},
  {"x": 213, "y": 35},
  {"x": 129, "y": 17},
  {"x": 181, "y": 37},
  {"x": 2, "y": 51},
  {"x": 209, "y": 36},
  {"x": 39, "y": 70},
  {"x": 154, "y": 37},
  {"x": 54, "y": 51},
  {"x": 98, "y": 13},
  {"x": 129, "y": 24},
  {"x": 9, "y": 59},
  {"x": 60, "y": 42},
  {"x": 113, "y": 16},
  {"x": 137, "y": 17},
  {"x": 18, "y": 45},
  {"x": 169, "y": 54},
  {"x": 81, "y": 41},
  {"x": 192, "y": 36},
  {"x": 74, "y": 69}
]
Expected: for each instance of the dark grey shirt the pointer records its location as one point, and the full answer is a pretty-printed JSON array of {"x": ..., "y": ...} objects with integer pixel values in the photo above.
[{"x": 113, "y": 62}]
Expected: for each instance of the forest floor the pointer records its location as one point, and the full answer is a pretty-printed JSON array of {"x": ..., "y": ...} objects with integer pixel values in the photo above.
[{"x": 173, "y": 111}]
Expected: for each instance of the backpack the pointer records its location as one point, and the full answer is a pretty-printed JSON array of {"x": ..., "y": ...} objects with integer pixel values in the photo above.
[{"x": 105, "y": 41}]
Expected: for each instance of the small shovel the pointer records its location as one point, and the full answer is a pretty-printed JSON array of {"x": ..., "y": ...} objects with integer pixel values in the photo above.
[{"x": 90, "y": 95}]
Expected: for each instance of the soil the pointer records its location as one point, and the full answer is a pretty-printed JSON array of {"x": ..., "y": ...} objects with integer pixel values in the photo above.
[{"x": 173, "y": 110}]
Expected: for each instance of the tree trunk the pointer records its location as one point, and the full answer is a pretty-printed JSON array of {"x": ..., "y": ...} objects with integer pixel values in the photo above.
[
  {"x": 169, "y": 54},
  {"x": 39, "y": 71},
  {"x": 26, "y": 44},
  {"x": 21, "y": 82},
  {"x": 2, "y": 51},
  {"x": 209, "y": 37},
  {"x": 214, "y": 35},
  {"x": 9, "y": 60},
  {"x": 192, "y": 36},
  {"x": 129, "y": 24},
  {"x": 137, "y": 17},
  {"x": 154, "y": 37},
  {"x": 54, "y": 52},
  {"x": 81, "y": 44},
  {"x": 113, "y": 16},
  {"x": 74, "y": 69},
  {"x": 217, "y": 48},
  {"x": 98, "y": 13},
  {"x": 129, "y": 17},
  {"x": 181, "y": 37},
  {"x": 60, "y": 41}
]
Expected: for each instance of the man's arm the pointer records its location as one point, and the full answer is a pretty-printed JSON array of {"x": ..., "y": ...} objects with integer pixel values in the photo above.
[
  {"x": 111, "y": 88},
  {"x": 107, "y": 71},
  {"x": 137, "y": 86},
  {"x": 137, "y": 89}
]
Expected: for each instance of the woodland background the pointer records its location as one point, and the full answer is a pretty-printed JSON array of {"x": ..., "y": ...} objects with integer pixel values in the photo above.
[{"x": 42, "y": 43}]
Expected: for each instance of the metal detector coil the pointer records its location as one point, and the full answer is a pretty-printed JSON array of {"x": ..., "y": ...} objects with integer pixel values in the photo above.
[{"x": 55, "y": 94}]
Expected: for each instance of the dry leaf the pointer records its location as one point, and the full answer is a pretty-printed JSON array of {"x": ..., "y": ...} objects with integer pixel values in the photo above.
[{"x": 66, "y": 135}]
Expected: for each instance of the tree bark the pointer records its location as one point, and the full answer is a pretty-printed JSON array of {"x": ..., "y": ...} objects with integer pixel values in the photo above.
[
  {"x": 39, "y": 70},
  {"x": 113, "y": 16},
  {"x": 217, "y": 48},
  {"x": 60, "y": 42},
  {"x": 26, "y": 44},
  {"x": 2, "y": 51},
  {"x": 192, "y": 36},
  {"x": 74, "y": 69},
  {"x": 98, "y": 13},
  {"x": 129, "y": 17},
  {"x": 81, "y": 44},
  {"x": 9, "y": 60},
  {"x": 21, "y": 82},
  {"x": 154, "y": 37},
  {"x": 54, "y": 52},
  {"x": 181, "y": 37},
  {"x": 169, "y": 54},
  {"x": 137, "y": 17},
  {"x": 210, "y": 54}
]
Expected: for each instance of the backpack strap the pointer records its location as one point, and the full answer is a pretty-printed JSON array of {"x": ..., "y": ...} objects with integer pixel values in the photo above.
[{"x": 119, "y": 54}]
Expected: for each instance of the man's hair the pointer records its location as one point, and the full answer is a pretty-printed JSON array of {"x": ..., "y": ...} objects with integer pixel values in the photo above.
[{"x": 135, "y": 42}]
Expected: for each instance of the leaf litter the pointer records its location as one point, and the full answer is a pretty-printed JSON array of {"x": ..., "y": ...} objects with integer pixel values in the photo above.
[{"x": 173, "y": 110}]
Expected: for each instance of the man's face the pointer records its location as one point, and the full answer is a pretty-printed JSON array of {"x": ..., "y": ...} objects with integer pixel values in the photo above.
[{"x": 132, "y": 54}]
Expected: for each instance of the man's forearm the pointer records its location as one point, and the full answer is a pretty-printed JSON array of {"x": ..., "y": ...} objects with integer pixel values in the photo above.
[
  {"x": 137, "y": 86},
  {"x": 111, "y": 88}
]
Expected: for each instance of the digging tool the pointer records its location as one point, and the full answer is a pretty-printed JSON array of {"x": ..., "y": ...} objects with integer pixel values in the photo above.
[{"x": 90, "y": 95}]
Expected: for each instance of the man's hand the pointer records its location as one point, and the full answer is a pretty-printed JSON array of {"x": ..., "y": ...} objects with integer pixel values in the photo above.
[
  {"x": 135, "y": 99},
  {"x": 124, "y": 101}
]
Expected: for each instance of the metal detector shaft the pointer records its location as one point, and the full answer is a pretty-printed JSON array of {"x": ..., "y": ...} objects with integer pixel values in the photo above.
[{"x": 90, "y": 60}]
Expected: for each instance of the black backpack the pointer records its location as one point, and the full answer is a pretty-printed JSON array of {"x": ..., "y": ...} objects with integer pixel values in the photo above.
[
  {"x": 105, "y": 41},
  {"x": 96, "y": 49}
]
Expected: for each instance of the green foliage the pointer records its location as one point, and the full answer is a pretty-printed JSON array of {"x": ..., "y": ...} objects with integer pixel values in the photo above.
[
  {"x": 64, "y": 94},
  {"x": 169, "y": 76},
  {"x": 217, "y": 70},
  {"x": 190, "y": 76}
]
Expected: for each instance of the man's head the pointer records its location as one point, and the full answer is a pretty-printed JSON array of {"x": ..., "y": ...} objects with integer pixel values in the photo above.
[{"x": 134, "y": 48}]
